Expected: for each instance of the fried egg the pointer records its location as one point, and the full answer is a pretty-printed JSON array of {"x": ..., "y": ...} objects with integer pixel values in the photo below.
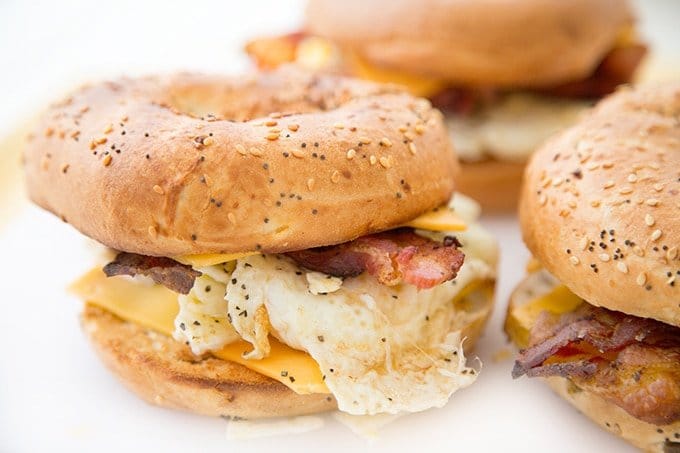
[{"x": 381, "y": 349}]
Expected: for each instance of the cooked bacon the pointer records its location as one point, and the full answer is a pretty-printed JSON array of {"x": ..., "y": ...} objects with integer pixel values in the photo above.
[
  {"x": 615, "y": 69},
  {"x": 270, "y": 53},
  {"x": 632, "y": 362},
  {"x": 463, "y": 101},
  {"x": 164, "y": 271},
  {"x": 392, "y": 257}
]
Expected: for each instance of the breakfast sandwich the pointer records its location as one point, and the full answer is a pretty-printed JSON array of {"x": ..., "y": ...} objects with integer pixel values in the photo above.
[
  {"x": 598, "y": 315},
  {"x": 282, "y": 243}
]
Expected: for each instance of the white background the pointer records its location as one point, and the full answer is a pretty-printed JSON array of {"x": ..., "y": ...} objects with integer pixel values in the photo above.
[{"x": 56, "y": 396}]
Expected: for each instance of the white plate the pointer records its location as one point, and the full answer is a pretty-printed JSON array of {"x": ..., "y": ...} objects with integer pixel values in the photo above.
[{"x": 56, "y": 396}]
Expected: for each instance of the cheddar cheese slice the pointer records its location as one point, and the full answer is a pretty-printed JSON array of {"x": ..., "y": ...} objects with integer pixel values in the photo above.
[{"x": 155, "y": 307}]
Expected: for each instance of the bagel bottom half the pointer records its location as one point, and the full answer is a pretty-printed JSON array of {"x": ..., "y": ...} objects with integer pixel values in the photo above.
[
  {"x": 164, "y": 372},
  {"x": 643, "y": 435},
  {"x": 494, "y": 184}
]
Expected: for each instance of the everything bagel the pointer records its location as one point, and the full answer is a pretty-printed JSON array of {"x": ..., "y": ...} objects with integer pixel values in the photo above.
[{"x": 193, "y": 164}]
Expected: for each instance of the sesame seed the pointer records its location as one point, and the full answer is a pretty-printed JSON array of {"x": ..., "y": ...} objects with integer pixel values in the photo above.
[
  {"x": 419, "y": 128},
  {"x": 107, "y": 160},
  {"x": 595, "y": 203},
  {"x": 583, "y": 243},
  {"x": 310, "y": 184},
  {"x": 592, "y": 166},
  {"x": 365, "y": 140},
  {"x": 152, "y": 231},
  {"x": 49, "y": 131},
  {"x": 124, "y": 118},
  {"x": 638, "y": 251},
  {"x": 272, "y": 136},
  {"x": 609, "y": 184},
  {"x": 641, "y": 279},
  {"x": 626, "y": 190},
  {"x": 409, "y": 136},
  {"x": 557, "y": 181},
  {"x": 298, "y": 153},
  {"x": 652, "y": 202},
  {"x": 574, "y": 260},
  {"x": 542, "y": 200},
  {"x": 632, "y": 178},
  {"x": 658, "y": 187},
  {"x": 412, "y": 147},
  {"x": 649, "y": 220},
  {"x": 270, "y": 123},
  {"x": 293, "y": 127},
  {"x": 621, "y": 266},
  {"x": 232, "y": 218},
  {"x": 339, "y": 126},
  {"x": 672, "y": 253},
  {"x": 351, "y": 153},
  {"x": 604, "y": 257},
  {"x": 275, "y": 115},
  {"x": 386, "y": 162},
  {"x": 158, "y": 189},
  {"x": 240, "y": 149},
  {"x": 255, "y": 152},
  {"x": 373, "y": 159},
  {"x": 208, "y": 141},
  {"x": 403, "y": 128},
  {"x": 385, "y": 142},
  {"x": 335, "y": 177},
  {"x": 108, "y": 129},
  {"x": 656, "y": 235}
]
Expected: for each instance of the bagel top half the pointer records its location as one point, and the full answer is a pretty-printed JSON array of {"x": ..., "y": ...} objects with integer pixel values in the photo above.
[
  {"x": 600, "y": 206},
  {"x": 193, "y": 164},
  {"x": 525, "y": 43}
]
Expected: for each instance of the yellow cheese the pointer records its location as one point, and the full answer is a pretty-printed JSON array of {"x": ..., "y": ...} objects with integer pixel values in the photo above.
[
  {"x": 155, "y": 307},
  {"x": 416, "y": 85},
  {"x": 440, "y": 219},
  {"x": 210, "y": 259},
  {"x": 521, "y": 318},
  {"x": 533, "y": 265}
]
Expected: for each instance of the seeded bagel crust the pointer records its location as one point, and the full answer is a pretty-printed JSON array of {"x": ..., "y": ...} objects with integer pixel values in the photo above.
[
  {"x": 197, "y": 164},
  {"x": 600, "y": 206},
  {"x": 477, "y": 42}
]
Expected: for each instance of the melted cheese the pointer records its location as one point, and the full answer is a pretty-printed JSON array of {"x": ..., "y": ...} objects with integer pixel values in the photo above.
[
  {"x": 522, "y": 317},
  {"x": 440, "y": 219},
  {"x": 416, "y": 85},
  {"x": 155, "y": 307},
  {"x": 210, "y": 259}
]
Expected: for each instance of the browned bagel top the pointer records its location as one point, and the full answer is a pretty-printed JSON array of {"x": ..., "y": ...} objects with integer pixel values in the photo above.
[
  {"x": 196, "y": 164},
  {"x": 520, "y": 43},
  {"x": 600, "y": 207}
]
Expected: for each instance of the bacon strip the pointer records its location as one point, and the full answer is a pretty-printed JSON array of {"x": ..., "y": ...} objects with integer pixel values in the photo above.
[
  {"x": 632, "y": 362},
  {"x": 392, "y": 257},
  {"x": 615, "y": 69},
  {"x": 164, "y": 271}
]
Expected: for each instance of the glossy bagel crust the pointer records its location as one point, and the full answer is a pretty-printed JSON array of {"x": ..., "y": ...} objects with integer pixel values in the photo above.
[
  {"x": 273, "y": 162},
  {"x": 600, "y": 205},
  {"x": 527, "y": 43}
]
